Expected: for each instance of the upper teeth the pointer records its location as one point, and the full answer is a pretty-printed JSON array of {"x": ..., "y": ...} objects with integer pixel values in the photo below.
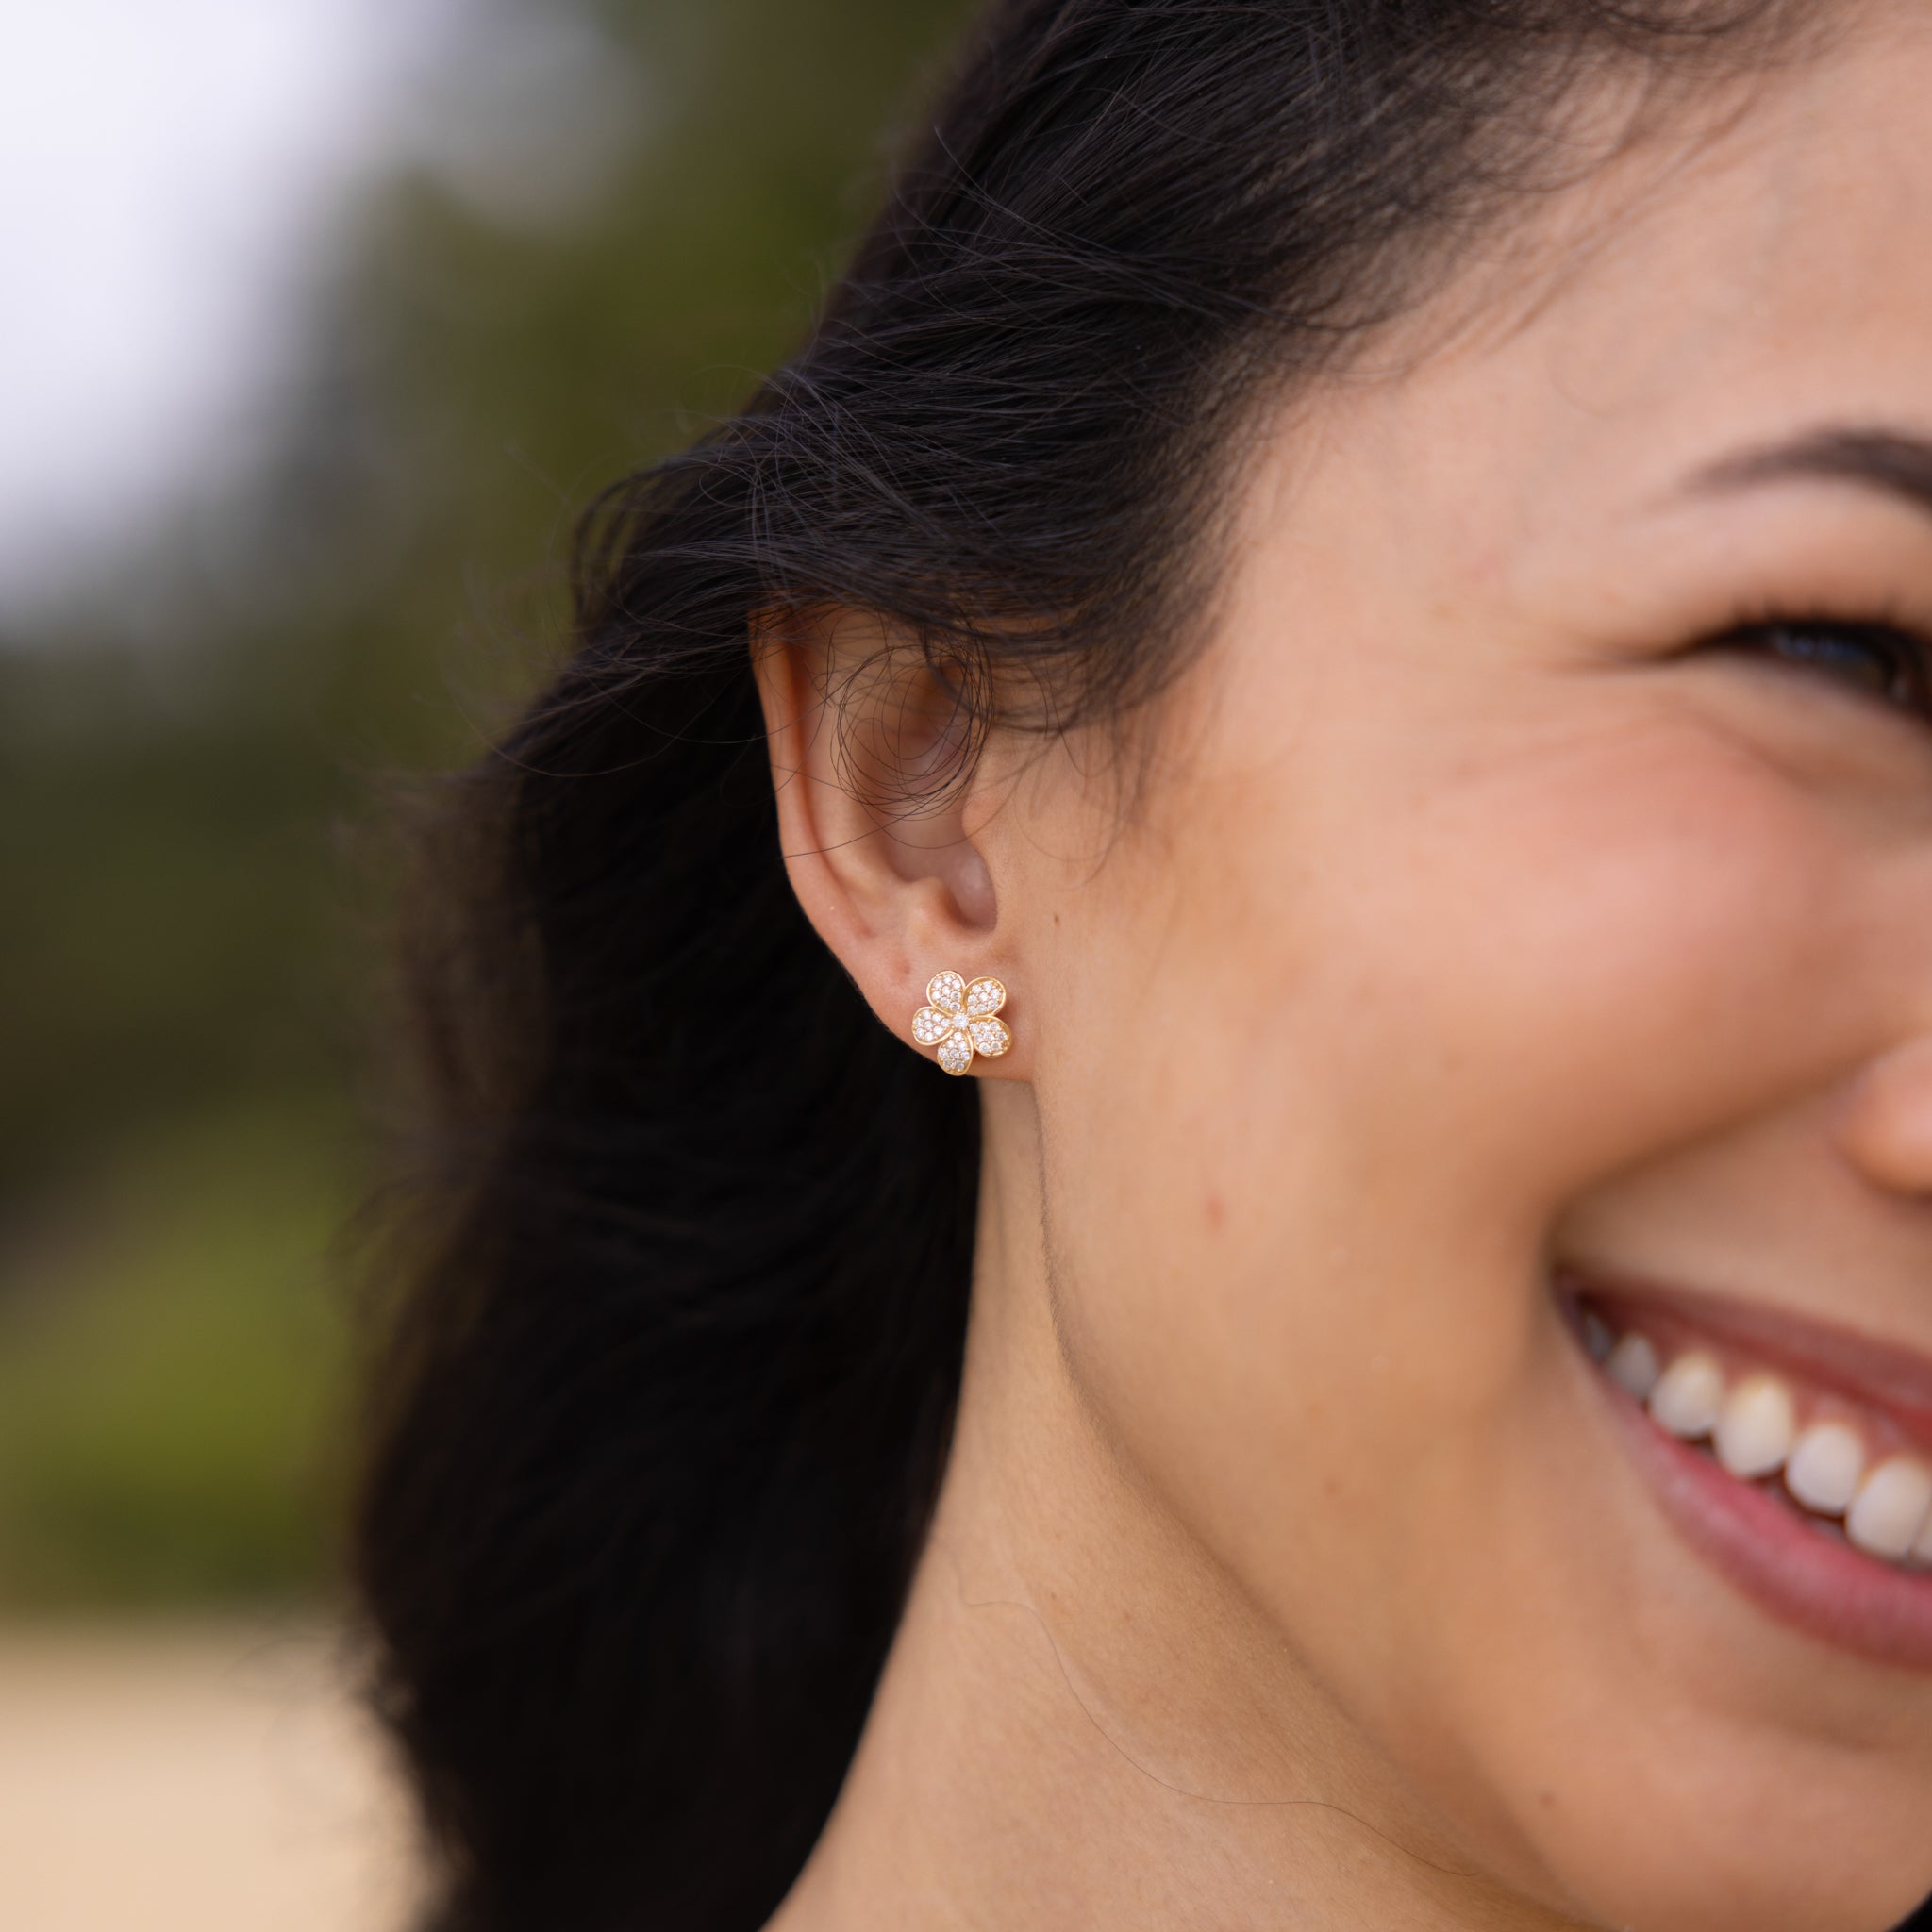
[
  {"x": 1689, "y": 1396},
  {"x": 1757, "y": 1427},
  {"x": 1752, "y": 1425},
  {"x": 1824, "y": 1468}
]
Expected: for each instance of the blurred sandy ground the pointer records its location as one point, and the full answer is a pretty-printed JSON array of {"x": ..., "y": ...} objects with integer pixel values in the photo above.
[{"x": 192, "y": 1777}]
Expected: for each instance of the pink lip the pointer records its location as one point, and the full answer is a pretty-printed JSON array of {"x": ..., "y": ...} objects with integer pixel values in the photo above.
[{"x": 1805, "y": 1576}]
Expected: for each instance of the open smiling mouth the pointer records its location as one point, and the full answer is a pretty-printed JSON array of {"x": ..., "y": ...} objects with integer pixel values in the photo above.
[{"x": 1797, "y": 1459}]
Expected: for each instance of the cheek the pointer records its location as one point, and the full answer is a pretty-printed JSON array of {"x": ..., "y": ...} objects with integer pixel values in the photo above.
[
  {"x": 1550, "y": 973},
  {"x": 1300, "y": 1214}
]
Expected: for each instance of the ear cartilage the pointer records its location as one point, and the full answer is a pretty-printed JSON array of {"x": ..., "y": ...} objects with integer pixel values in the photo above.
[{"x": 958, "y": 1021}]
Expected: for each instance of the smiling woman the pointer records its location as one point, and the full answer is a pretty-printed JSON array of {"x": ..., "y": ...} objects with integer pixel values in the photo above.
[{"x": 1333, "y": 616}]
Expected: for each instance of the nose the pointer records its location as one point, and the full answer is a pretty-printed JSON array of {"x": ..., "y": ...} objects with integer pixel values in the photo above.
[{"x": 1886, "y": 1128}]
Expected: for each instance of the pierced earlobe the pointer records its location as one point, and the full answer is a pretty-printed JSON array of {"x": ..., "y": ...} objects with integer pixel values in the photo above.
[{"x": 958, "y": 1021}]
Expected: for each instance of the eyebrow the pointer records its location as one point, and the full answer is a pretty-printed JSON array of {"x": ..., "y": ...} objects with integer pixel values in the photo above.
[{"x": 1893, "y": 461}]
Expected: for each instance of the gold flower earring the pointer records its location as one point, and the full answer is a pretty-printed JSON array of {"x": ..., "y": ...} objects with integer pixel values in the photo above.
[{"x": 958, "y": 1021}]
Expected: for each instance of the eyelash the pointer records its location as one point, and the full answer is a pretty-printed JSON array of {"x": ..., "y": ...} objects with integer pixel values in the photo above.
[{"x": 1845, "y": 650}]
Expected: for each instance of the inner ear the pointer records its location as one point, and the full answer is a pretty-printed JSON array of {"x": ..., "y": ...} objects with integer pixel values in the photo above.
[
  {"x": 904, "y": 744},
  {"x": 875, "y": 744}
]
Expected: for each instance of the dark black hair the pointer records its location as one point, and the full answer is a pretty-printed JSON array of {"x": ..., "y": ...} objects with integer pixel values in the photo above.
[{"x": 661, "y": 1404}]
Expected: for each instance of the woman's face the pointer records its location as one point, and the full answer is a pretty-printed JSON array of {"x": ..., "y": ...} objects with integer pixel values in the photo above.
[{"x": 1487, "y": 946}]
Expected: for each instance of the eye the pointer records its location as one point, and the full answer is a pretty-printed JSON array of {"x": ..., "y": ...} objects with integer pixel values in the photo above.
[{"x": 1878, "y": 660}]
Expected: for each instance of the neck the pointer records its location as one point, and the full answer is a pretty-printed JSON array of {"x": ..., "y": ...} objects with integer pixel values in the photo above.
[{"x": 1083, "y": 1722}]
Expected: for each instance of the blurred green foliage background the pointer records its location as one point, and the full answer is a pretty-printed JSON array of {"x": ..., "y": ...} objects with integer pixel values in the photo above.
[{"x": 187, "y": 753}]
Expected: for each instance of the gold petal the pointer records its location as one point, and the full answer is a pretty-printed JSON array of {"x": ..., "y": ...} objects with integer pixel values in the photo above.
[
  {"x": 956, "y": 1053},
  {"x": 946, "y": 991},
  {"x": 930, "y": 1025},
  {"x": 990, "y": 1037},
  {"x": 985, "y": 996}
]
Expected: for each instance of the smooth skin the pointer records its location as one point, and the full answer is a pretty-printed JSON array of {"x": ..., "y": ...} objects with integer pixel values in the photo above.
[{"x": 1474, "y": 917}]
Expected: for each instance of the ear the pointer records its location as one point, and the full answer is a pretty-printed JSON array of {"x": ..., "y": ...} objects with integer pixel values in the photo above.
[{"x": 877, "y": 817}]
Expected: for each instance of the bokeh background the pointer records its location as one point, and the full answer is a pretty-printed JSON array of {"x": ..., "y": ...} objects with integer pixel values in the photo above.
[{"x": 322, "y": 321}]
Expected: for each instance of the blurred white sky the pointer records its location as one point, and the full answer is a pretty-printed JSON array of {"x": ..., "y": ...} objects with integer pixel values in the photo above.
[{"x": 172, "y": 176}]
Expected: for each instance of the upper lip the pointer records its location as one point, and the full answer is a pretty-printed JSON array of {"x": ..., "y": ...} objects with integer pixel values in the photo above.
[{"x": 1876, "y": 1374}]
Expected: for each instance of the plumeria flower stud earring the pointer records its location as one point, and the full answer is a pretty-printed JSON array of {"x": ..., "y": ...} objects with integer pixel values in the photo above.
[{"x": 959, "y": 1020}]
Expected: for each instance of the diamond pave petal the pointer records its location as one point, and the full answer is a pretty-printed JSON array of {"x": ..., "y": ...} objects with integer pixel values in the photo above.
[
  {"x": 984, "y": 997},
  {"x": 947, "y": 992},
  {"x": 990, "y": 1037},
  {"x": 930, "y": 1025},
  {"x": 956, "y": 1053}
]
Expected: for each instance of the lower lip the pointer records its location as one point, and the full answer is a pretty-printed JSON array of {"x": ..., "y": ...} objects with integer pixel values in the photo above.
[{"x": 1801, "y": 1574}]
